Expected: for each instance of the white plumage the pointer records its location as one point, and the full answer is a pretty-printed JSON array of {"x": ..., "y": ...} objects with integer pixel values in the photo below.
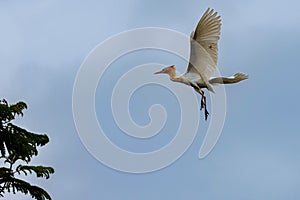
[{"x": 204, "y": 58}]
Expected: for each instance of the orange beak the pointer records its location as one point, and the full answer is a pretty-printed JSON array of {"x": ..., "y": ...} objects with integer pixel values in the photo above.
[{"x": 159, "y": 72}]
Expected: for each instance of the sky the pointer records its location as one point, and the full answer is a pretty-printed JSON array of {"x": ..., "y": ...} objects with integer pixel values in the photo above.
[{"x": 44, "y": 43}]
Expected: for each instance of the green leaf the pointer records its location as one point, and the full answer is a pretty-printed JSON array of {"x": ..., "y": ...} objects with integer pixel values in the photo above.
[
  {"x": 22, "y": 144},
  {"x": 18, "y": 185},
  {"x": 16, "y": 144},
  {"x": 2, "y": 146},
  {"x": 40, "y": 171},
  {"x": 5, "y": 173},
  {"x": 18, "y": 108}
]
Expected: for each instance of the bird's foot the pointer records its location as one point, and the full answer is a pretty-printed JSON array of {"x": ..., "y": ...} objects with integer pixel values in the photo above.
[
  {"x": 203, "y": 105},
  {"x": 206, "y": 113}
]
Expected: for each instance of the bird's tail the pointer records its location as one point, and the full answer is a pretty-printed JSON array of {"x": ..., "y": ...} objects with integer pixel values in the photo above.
[{"x": 229, "y": 80}]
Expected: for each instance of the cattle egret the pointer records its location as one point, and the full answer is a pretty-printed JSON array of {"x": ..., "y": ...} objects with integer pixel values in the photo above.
[{"x": 203, "y": 59}]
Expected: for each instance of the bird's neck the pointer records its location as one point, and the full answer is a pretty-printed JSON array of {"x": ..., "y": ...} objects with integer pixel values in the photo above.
[
  {"x": 175, "y": 78},
  {"x": 180, "y": 79},
  {"x": 172, "y": 75}
]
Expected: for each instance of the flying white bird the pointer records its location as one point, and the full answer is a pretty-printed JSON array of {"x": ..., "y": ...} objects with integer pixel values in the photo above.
[{"x": 203, "y": 58}]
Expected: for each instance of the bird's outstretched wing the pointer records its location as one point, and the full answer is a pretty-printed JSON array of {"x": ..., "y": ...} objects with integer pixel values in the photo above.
[{"x": 204, "y": 45}]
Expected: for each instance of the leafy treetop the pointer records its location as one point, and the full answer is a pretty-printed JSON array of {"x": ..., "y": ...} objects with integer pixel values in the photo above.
[{"x": 17, "y": 144}]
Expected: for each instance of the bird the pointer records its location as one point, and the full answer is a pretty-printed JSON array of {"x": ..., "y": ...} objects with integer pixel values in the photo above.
[{"x": 203, "y": 59}]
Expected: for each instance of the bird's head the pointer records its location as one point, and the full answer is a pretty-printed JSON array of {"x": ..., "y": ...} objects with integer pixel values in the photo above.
[{"x": 166, "y": 70}]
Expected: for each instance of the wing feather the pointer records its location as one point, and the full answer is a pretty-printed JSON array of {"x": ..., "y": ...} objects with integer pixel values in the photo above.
[{"x": 204, "y": 45}]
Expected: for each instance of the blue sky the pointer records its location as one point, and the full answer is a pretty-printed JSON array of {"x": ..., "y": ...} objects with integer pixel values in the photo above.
[{"x": 43, "y": 44}]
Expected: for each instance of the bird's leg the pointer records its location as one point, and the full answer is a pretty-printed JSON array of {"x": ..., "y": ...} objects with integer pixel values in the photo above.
[
  {"x": 203, "y": 99},
  {"x": 203, "y": 103}
]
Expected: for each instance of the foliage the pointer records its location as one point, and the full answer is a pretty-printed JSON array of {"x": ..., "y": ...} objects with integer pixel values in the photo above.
[{"x": 17, "y": 144}]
